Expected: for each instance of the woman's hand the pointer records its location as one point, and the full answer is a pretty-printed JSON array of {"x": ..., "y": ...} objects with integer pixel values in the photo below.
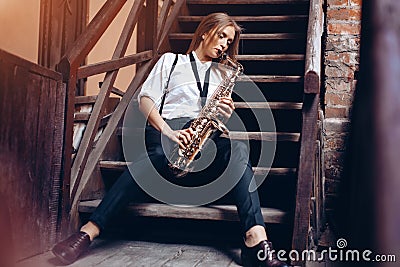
[
  {"x": 226, "y": 107},
  {"x": 181, "y": 137}
]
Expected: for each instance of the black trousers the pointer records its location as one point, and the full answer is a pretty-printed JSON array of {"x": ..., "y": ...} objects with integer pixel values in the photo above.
[{"x": 230, "y": 160}]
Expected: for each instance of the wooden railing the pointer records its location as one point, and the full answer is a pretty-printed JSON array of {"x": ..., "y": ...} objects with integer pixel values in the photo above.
[
  {"x": 157, "y": 25},
  {"x": 309, "y": 127}
]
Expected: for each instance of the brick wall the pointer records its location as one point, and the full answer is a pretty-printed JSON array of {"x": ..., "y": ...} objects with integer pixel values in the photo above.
[{"x": 341, "y": 58}]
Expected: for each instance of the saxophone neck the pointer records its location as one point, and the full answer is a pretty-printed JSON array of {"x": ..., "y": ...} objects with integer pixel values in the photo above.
[{"x": 232, "y": 63}]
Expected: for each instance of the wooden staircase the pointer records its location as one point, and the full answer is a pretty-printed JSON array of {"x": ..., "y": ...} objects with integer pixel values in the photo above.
[{"x": 279, "y": 52}]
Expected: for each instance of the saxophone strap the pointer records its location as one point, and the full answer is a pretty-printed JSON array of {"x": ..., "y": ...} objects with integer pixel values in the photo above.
[
  {"x": 203, "y": 91},
  {"x": 166, "y": 86}
]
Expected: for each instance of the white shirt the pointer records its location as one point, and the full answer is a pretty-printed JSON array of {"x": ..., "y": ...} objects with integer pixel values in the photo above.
[{"x": 183, "y": 97}]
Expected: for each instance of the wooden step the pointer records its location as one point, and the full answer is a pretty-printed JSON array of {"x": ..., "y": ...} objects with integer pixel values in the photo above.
[
  {"x": 85, "y": 100},
  {"x": 239, "y": 135},
  {"x": 245, "y": 2},
  {"x": 268, "y": 105},
  {"x": 264, "y": 136},
  {"x": 271, "y": 18},
  {"x": 260, "y": 105},
  {"x": 278, "y": 57},
  {"x": 246, "y": 36},
  {"x": 210, "y": 212},
  {"x": 121, "y": 165},
  {"x": 83, "y": 117},
  {"x": 91, "y": 99},
  {"x": 271, "y": 78}
]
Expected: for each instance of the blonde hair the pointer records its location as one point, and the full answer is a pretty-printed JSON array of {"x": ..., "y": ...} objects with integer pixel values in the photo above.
[{"x": 212, "y": 23}]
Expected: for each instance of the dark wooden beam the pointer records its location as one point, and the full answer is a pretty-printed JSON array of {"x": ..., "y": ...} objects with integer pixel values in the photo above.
[
  {"x": 61, "y": 22},
  {"x": 87, "y": 40},
  {"x": 305, "y": 172}
]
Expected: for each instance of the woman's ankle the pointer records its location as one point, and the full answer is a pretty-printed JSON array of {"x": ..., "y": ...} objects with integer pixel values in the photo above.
[
  {"x": 255, "y": 235},
  {"x": 91, "y": 229}
]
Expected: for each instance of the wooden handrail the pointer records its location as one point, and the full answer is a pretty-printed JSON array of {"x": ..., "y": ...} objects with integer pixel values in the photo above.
[
  {"x": 113, "y": 64},
  {"x": 312, "y": 74},
  {"x": 309, "y": 129}
]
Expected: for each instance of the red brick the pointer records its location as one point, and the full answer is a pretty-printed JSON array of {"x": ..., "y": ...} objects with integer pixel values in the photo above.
[
  {"x": 338, "y": 99},
  {"x": 338, "y": 85},
  {"x": 332, "y": 56},
  {"x": 335, "y": 125},
  {"x": 336, "y": 112},
  {"x": 339, "y": 70},
  {"x": 344, "y": 57},
  {"x": 343, "y": 43},
  {"x": 344, "y": 28},
  {"x": 338, "y": 2},
  {"x": 334, "y": 158},
  {"x": 355, "y": 2},
  {"x": 345, "y": 14},
  {"x": 336, "y": 143}
]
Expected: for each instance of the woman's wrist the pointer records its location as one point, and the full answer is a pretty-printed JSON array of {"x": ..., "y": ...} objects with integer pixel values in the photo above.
[{"x": 167, "y": 131}]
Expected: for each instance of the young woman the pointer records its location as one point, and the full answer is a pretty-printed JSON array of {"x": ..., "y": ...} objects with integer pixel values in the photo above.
[{"x": 193, "y": 79}]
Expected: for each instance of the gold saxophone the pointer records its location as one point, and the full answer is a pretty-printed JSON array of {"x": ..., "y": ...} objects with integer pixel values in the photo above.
[{"x": 208, "y": 123}]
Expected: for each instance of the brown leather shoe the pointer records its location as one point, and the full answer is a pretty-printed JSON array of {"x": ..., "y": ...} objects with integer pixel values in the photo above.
[
  {"x": 71, "y": 248},
  {"x": 261, "y": 255}
]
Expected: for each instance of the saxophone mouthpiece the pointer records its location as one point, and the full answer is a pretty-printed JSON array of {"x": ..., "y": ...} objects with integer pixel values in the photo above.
[{"x": 222, "y": 55}]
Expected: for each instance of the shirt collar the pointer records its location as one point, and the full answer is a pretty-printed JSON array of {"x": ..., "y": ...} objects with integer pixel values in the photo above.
[{"x": 206, "y": 64}]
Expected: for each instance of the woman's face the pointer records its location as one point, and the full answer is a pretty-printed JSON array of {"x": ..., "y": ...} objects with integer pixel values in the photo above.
[{"x": 217, "y": 42}]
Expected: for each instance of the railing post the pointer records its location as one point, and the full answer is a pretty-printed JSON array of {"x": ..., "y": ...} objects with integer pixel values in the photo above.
[
  {"x": 70, "y": 17},
  {"x": 147, "y": 28},
  {"x": 309, "y": 129}
]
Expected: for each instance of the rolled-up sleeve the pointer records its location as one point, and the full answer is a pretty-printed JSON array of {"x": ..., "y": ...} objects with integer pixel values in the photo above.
[{"x": 154, "y": 86}]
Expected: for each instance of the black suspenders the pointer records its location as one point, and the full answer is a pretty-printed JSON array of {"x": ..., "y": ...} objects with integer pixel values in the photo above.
[
  {"x": 166, "y": 86},
  {"x": 203, "y": 91}
]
